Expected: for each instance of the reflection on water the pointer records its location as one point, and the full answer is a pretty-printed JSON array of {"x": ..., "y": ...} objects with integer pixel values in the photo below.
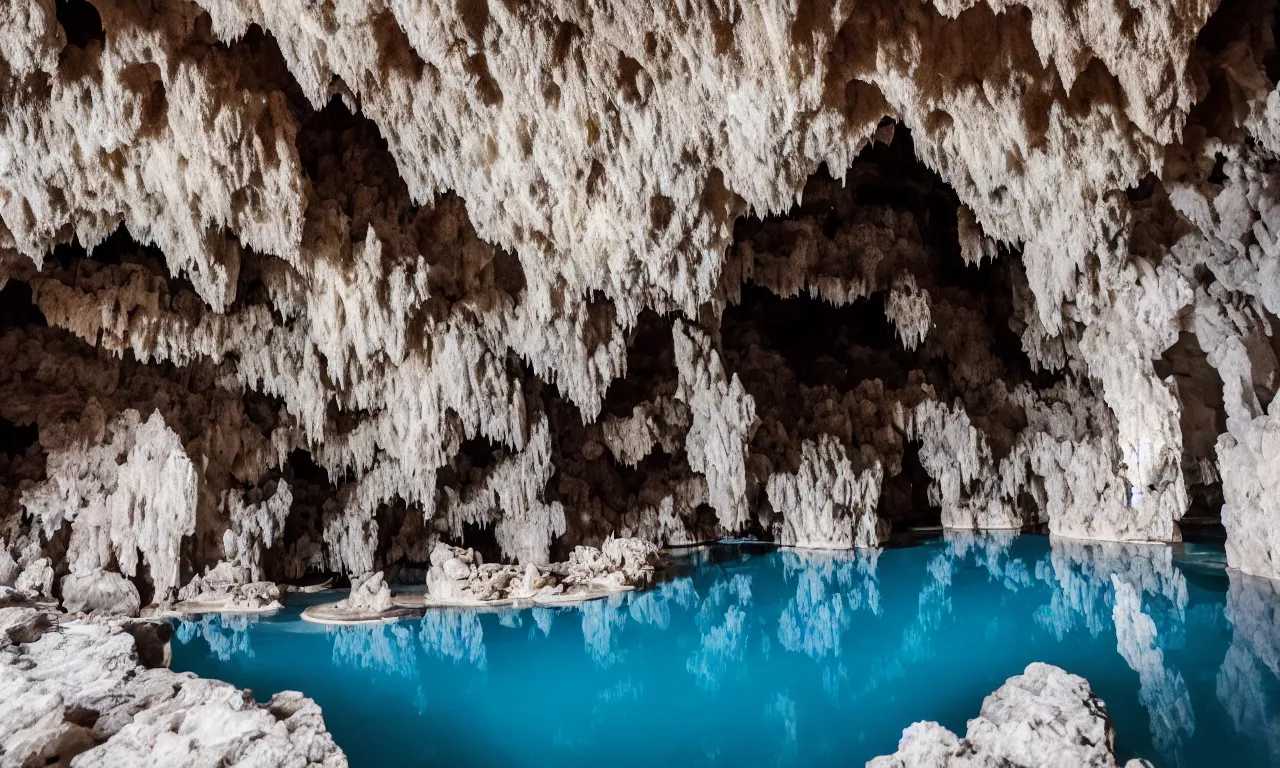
[
  {"x": 1253, "y": 661},
  {"x": 453, "y": 635},
  {"x": 384, "y": 648},
  {"x": 1162, "y": 690},
  {"x": 226, "y": 635},
  {"x": 755, "y": 656}
]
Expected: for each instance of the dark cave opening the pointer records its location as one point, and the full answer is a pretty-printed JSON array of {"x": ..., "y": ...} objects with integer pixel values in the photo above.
[
  {"x": 814, "y": 341},
  {"x": 17, "y": 307},
  {"x": 904, "y": 499},
  {"x": 312, "y": 491},
  {"x": 651, "y": 366},
  {"x": 1202, "y": 419},
  {"x": 119, "y": 248},
  {"x": 821, "y": 343},
  {"x": 347, "y": 161},
  {"x": 17, "y": 439},
  {"x": 480, "y": 452},
  {"x": 81, "y": 22},
  {"x": 483, "y": 539}
]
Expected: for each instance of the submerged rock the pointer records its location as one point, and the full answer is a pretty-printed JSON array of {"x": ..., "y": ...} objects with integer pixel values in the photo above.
[{"x": 1043, "y": 717}]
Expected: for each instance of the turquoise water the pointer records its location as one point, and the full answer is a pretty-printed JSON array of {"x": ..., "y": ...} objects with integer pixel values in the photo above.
[{"x": 754, "y": 656}]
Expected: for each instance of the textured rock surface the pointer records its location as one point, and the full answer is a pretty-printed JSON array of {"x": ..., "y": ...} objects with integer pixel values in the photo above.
[
  {"x": 369, "y": 594},
  {"x": 80, "y": 694},
  {"x": 461, "y": 576},
  {"x": 1043, "y": 717},
  {"x": 291, "y": 289},
  {"x": 226, "y": 587}
]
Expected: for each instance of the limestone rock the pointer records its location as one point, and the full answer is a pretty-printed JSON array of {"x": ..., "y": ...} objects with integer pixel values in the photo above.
[
  {"x": 1043, "y": 717},
  {"x": 226, "y": 588},
  {"x": 100, "y": 592},
  {"x": 827, "y": 504},
  {"x": 305, "y": 290},
  {"x": 460, "y": 576},
  {"x": 79, "y": 692},
  {"x": 369, "y": 595},
  {"x": 1251, "y": 486},
  {"x": 36, "y": 577},
  {"x": 131, "y": 492}
]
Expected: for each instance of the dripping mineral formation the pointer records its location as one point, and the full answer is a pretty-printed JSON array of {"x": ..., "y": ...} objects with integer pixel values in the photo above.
[{"x": 294, "y": 288}]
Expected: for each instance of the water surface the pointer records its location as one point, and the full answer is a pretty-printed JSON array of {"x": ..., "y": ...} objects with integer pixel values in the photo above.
[{"x": 755, "y": 656}]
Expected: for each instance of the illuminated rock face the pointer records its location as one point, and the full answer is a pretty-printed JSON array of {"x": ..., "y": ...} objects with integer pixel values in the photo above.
[
  {"x": 309, "y": 288},
  {"x": 1043, "y": 711},
  {"x": 99, "y": 693}
]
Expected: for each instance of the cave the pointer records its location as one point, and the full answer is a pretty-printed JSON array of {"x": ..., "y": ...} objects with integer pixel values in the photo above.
[{"x": 692, "y": 379}]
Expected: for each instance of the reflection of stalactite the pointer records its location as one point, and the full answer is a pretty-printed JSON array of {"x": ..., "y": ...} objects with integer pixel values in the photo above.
[
  {"x": 544, "y": 618},
  {"x": 385, "y": 648},
  {"x": 991, "y": 551},
  {"x": 1161, "y": 689},
  {"x": 830, "y": 588},
  {"x": 454, "y": 635},
  {"x": 227, "y": 635},
  {"x": 783, "y": 708},
  {"x": 813, "y": 622},
  {"x": 722, "y": 622},
  {"x": 1080, "y": 572},
  {"x": 853, "y": 571},
  {"x": 626, "y": 689},
  {"x": 601, "y": 620},
  {"x": 934, "y": 604},
  {"x": 653, "y": 607},
  {"x": 1254, "y": 654}
]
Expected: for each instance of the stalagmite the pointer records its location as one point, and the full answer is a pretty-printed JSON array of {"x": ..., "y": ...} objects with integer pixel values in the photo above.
[{"x": 828, "y": 504}]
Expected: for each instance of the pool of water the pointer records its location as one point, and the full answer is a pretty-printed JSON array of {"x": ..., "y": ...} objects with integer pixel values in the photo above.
[{"x": 756, "y": 656}]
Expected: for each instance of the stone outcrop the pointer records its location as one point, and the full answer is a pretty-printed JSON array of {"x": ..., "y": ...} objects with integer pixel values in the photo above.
[
  {"x": 99, "y": 694},
  {"x": 369, "y": 594},
  {"x": 227, "y": 588},
  {"x": 829, "y": 504},
  {"x": 460, "y": 576},
  {"x": 1045, "y": 716}
]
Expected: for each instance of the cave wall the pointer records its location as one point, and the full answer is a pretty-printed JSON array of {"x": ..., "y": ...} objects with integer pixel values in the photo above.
[{"x": 300, "y": 287}]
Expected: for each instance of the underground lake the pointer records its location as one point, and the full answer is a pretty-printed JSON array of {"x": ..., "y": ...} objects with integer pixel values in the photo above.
[{"x": 752, "y": 655}]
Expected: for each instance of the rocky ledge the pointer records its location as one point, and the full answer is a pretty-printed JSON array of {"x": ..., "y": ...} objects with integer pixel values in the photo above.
[
  {"x": 459, "y": 578},
  {"x": 99, "y": 693},
  {"x": 1045, "y": 717},
  {"x": 225, "y": 589}
]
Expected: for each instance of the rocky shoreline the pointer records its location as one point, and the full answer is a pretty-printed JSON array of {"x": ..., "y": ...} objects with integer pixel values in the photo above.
[{"x": 98, "y": 693}]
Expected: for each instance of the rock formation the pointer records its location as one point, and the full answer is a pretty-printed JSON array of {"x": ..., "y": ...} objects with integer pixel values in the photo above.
[
  {"x": 100, "y": 693},
  {"x": 292, "y": 289},
  {"x": 1044, "y": 716},
  {"x": 460, "y": 576},
  {"x": 307, "y": 291}
]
